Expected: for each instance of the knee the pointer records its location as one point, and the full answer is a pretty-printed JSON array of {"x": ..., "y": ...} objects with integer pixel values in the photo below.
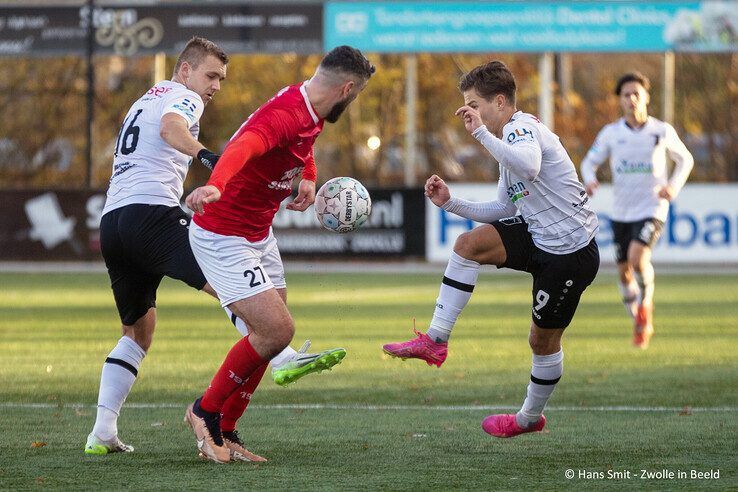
[
  {"x": 464, "y": 246},
  {"x": 543, "y": 345},
  {"x": 635, "y": 264},
  {"x": 283, "y": 335},
  {"x": 535, "y": 342},
  {"x": 142, "y": 337}
]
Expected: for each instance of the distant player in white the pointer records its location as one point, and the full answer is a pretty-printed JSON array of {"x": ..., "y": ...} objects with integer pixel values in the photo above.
[
  {"x": 637, "y": 145},
  {"x": 540, "y": 223}
]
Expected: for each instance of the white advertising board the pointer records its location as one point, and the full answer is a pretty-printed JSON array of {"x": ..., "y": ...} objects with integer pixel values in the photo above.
[{"x": 702, "y": 226}]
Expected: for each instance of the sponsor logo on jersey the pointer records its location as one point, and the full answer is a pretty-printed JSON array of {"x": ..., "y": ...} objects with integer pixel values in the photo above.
[
  {"x": 520, "y": 135},
  {"x": 285, "y": 182},
  {"x": 157, "y": 91},
  {"x": 119, "y": 169},
  {"x": 186, "y": 110},
  {"x": 633, "y": 167},
  {"x": 582, "y": 203},
  {"x": 517, "y": 191}
]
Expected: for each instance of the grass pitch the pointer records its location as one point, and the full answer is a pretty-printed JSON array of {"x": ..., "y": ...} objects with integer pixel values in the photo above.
[{"x": 375, "y": 422}]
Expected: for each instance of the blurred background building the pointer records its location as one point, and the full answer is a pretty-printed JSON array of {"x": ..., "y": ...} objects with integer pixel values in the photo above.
[{"x": 70, "y": 70}]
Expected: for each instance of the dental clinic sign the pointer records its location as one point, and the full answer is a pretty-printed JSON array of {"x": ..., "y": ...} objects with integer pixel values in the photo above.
[
  {"x": 702, "y": 226},
  {"x": 533, "y": 26}
]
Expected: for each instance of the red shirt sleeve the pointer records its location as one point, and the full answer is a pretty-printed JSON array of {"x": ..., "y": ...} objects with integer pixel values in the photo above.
[
  {"x": 276, "y": 126},
  {"x": 267, "y": 129},
  {"x": 310, "y": 172},
  {"x": 247, "y": 146}
]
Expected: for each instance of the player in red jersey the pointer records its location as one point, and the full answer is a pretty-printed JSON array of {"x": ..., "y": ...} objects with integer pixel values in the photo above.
[{"x": 231, "y": 233}]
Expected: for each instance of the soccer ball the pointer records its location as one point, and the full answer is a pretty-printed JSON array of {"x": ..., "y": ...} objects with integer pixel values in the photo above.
[{"x": 342, "y": 205}]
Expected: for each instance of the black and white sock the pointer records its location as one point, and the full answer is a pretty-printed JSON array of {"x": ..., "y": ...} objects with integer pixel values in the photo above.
[
  {"x": 546, "y": 372},
  {"x": 456, "y": 290},
  {"x": 118, "y": 375},
  {"x": 630, "y": 295},
  {"x": 645, "y": 279}
]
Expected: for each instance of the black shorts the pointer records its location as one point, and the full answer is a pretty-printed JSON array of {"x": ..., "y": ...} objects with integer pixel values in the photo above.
[
  {"x": 558, "y": 280},
  {"x": 646, "y": 231},
  {"x": 141, "y": 244}
]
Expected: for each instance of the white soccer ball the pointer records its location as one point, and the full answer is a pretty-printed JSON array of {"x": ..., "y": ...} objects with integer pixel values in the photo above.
[{"x": 342, "y": 205}]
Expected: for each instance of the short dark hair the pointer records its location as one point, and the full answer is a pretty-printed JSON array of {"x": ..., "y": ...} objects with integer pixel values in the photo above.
[
  {"x": 489, "y": 80},
  {"x": 632, "y": 77},
  {"x": 349, "y": 60},
  {"x": 197, "y": 49}
]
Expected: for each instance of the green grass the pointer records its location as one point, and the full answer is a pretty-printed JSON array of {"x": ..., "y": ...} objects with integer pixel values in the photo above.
[{"x": 55, "y": 331}]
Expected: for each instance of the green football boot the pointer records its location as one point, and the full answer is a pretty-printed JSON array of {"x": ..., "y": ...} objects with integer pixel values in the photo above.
[
  {"x": 303, "y": 364},
  {"x": 97, "y": 446}
]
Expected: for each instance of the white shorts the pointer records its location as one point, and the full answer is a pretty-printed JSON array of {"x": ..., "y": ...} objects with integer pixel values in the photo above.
[{"x": 235, "y": 267}]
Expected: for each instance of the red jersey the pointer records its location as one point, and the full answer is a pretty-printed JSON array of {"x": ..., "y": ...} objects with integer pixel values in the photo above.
[{"x": 287, "y": 126}]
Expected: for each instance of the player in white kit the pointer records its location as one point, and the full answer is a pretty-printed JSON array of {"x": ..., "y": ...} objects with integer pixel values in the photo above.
[
  {"x": 144, "y": 237},
  {"x": 540, "y": 223},
  {"x": 637, "y": 145}
]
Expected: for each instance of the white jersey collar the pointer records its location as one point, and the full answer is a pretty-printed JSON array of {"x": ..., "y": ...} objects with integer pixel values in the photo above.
[
  {"x": 308, "y": 104},
  {"x": 636, "y": 130},
  {"x": 513, "y": 116}
]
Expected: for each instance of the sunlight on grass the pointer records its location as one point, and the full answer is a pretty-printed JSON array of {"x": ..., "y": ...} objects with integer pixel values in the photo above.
[{"x": 55, "y": 331}]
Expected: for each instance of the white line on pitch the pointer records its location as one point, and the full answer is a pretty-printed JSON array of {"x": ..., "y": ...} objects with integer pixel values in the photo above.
[{"x": 379, "y": 408}]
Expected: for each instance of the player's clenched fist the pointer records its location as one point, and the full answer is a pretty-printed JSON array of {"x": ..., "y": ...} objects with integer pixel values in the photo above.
[
  {"x": 437, "y": 191},
  {"x": 200, "y": 196}
]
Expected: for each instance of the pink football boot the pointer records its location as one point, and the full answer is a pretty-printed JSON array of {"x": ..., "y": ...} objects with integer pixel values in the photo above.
[
  {"x": 505, "y": 425},
  {"x": 421, "y": 347}
]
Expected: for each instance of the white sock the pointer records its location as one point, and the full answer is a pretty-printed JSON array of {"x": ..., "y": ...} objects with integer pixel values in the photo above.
[
  {"x": 546, "y": 372},
  {"x": 283, "y": 357},
  {"x": 645, "y": 279},
  {"x": 118, "y": 375},
  {"x": 278, "y": 360},
  {"x": 629, "y": 293},
  {"x": 240, "y": 324},
  {"x": 456, "y": 290}
]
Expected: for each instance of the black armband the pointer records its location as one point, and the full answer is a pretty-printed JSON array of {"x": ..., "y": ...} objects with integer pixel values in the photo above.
[{"x": 208, "y": 159}]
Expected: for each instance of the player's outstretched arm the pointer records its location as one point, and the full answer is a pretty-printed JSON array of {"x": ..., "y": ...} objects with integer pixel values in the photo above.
[
  {"x": 305, "y": 196},
  {"x": 237, "y": 155},
  {"x": 484, "y": 212},
  {"x": 437, "y": 191},
  {"x": 200, "y": 196}
]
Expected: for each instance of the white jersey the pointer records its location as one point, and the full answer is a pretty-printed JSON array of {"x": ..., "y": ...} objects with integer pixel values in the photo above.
[
  {"x": 537, "y": 181},
  {"x": 146, "y": 169},
  {"x": 638, "y": 164}
]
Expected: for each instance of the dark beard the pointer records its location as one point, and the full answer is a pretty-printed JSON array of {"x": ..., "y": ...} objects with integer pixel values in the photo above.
[{"x": 336, "y": 111}]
